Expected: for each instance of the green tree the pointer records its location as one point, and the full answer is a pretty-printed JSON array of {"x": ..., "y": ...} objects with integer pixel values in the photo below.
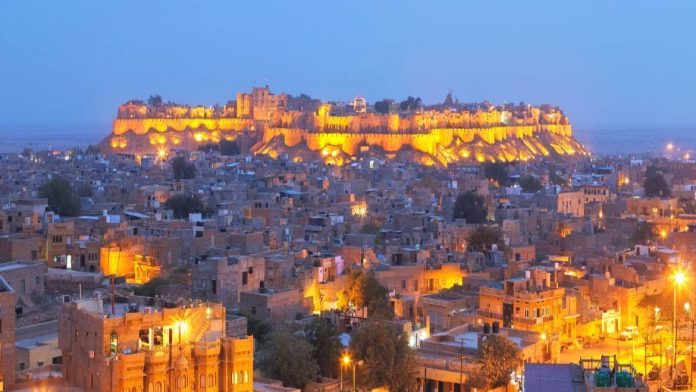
[
  {"x": 288, "y": 358},
  {"x": 323, "y": 336},
  {"x": 497, "y": 172},
  {"x": 483, "y": 238},
  {"x": 644, "y": 233},
  {"x": 655, "y": 184},
  {"x": 382, "y": 106},
  {"x": 530, "y": 184},
  {"x": 257, "y": 328},
  {"x": 156, "y": 286},
  {"x": 499, "y": 357},
  {"x": 62, "y": 198},
  {"x": 183, "y": 205},
  {"x": 364, "y": 291},
  {"x": 471, "y": 207},
  {"x": 183, "y": 169},
  {"x": 387, "y": 359}
]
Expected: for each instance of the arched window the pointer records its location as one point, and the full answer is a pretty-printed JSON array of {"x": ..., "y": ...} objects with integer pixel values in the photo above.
[
  {"x": 158, "y": 386},
  {"x": 150, "y": 387},
  {"x": 234, "y": 377},
  {"x": 246, "y": 376},
  {"x": 202, "y": 381},
  {"x": 210, "y": 380}
]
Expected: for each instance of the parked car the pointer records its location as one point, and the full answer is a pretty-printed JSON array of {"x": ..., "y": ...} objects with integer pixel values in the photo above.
[{"x": 629, "y": 333}]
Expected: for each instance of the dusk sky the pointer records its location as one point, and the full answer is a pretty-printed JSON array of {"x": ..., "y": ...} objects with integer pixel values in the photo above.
[{"x": 606, "y": 63}]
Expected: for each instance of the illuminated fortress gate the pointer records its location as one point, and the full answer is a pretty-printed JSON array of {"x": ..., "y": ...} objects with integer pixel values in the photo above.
[
  {"x": 152, "y": 350},
  {"x": 306, "y": 129}
]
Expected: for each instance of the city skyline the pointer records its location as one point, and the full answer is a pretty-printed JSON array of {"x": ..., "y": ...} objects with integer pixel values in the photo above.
[{"x": 609, "y": 65}]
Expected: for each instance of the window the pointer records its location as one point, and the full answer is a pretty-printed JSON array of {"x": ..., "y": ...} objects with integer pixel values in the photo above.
[
  {"x": 113, "y": 342},
  {"x": 526, "y": 313},
  {"x": 403, "y": 284},
  {"x": 213, "y": 286},
  {"x": 38, "y": 280},
  {"x": 34, "y": 254},
  {"x": 245, "y": 278},
  {"x": 253, "y": 312},
  {"x": 57, "y": 239}
]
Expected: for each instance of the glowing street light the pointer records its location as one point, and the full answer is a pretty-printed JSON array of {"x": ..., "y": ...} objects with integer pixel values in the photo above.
[
  {"x": 679, "y": 279},
  {"x": 670, "y": 147},
  {"x": 344, "y": 361}
]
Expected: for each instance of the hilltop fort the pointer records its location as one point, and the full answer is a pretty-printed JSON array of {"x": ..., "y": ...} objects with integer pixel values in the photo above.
[{"x": 306, "y": 129}]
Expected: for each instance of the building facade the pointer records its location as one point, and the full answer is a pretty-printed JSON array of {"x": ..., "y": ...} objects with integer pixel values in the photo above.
[{"x": 182, "y": 349}]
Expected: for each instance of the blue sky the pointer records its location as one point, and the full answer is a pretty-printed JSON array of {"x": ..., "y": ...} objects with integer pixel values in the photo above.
[{"x": 606, "y": 63}]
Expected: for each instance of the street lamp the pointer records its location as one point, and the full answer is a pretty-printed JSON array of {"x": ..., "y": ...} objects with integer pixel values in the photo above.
[
  {"x": 679, "y": 278},
  {"x": 345, "y": 361},
  {"x": 356, "y": 363},
  {"x": 689, "y": 310}
]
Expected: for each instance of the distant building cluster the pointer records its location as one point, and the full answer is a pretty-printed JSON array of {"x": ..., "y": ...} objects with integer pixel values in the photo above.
[{"x": 156, "y": 278}]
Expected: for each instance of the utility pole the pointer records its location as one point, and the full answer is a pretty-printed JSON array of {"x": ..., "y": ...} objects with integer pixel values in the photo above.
[{"x": 461, "y": 363}]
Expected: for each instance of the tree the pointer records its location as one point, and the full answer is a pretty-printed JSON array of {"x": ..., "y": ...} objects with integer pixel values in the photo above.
[
  {"x": 364, "y": 291},
  {"x": 369, "y": 228},
  {"x": 288, "y": 358},
  {"x": 558, "y": 180},
  {"x": 323, "y": 336},
  {"x": 155, "y": 100},
  {"x": 655, "y": 184},
  {"x": 62, "y": 198},
  {"x": 183, "y": 205},
  {"x": 387, "y": 359},
  {"x": 183, "y": 170},
  {"x": 530, "y": 184},
  {"x": 85, "y": 190},
  {"x": 471, "y": 207},
  {"x": 644, "y": 233},
  {"x": 483, "y": 238},
  {"x": 156, "y": 286},
  {"x": 382, "y": 106},
  {"x": 228, "y": 148},
  {"x": 256, "y": 327},
  {"x": 410, "y": 103},
  {"x": 499, "y": 357},
  {"x": 224, "y": 147},
  {"x": 92, "y": 149},
  {"x": 497, "y": 172}
]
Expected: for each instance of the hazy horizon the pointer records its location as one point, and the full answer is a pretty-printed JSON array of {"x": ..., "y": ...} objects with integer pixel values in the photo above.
[{"x": 606, "y": 64}]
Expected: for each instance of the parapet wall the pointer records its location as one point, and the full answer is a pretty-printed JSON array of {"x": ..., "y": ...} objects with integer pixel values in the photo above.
[{"x": 426, "y": 142}]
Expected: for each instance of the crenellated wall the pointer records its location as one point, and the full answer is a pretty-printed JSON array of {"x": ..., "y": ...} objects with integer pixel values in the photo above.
[
  {"x": 143, "y": 126},
  {"x": 431, "y": 136}
]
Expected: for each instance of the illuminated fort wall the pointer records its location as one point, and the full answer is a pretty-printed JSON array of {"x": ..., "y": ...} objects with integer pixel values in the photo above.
[{"x": 439, "y": 137}]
